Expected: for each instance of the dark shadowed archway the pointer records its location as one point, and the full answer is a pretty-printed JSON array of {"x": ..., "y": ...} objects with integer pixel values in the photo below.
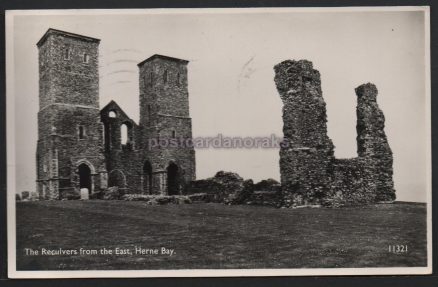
[
  {"x": 84, "y": 177},
  {"x": 172, "y": 179},
  {"x": 147, "y": 177}
]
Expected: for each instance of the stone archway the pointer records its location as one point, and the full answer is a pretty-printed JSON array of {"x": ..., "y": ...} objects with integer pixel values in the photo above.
[
  {"x": 173, "y": 186},
  {"x": 85, "y": 174},
  {"x": 85, "y": 180}
]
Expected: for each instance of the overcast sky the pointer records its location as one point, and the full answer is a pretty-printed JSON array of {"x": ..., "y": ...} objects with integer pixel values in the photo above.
[{"x": 231, "y": 85}]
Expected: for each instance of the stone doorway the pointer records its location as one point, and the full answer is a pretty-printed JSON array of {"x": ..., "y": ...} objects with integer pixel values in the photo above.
[
  {"x": 85, "y": 177},
  {"x": 172, "y": 179}
]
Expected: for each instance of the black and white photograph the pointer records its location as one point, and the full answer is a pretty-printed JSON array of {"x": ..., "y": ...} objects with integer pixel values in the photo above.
[{"x": 218, "y": 142}]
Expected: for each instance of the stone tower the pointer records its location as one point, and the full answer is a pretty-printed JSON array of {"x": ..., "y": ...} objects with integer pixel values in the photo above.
[
  {"x": 69, "y": 150},
  {"x": 165, "y": 120},
  {"x": 307, "y": 153},
  {"x": 372, "y": 145}
]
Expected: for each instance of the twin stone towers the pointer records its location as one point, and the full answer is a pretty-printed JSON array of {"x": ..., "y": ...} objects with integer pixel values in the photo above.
[{"x": 82, "y": 146}]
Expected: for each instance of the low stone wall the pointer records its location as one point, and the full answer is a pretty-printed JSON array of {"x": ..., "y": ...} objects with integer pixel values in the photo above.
[
  {"x": 266, "y": 198},
  {"x": 230, "y": 188},
  {"x": 199, "y": 197},
  {"x": 157, "y": 199},
  {"x": 222, "y": 188},
  {"x": 347, "y": 186}
]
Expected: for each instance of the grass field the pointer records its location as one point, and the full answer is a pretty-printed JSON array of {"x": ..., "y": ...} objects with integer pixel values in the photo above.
[{"x": 218, "y": 236}]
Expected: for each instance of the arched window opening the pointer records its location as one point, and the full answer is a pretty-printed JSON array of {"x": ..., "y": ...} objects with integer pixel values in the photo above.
[
  {"x": 81, "y": 132},
  {"x": 127, "y": 136},
  {"x": 151, "y": 79},
  {"x": 67, "y": 54},
  {"x": 173, "y": 184},
  {"x": 124, "y": 134},
  {"x": 173, "y": 134},
  {"x": 85, "y": 177},
  {"x": 165, "y": 76},
  {"x": 112, "y": 114},
  {"x": 178, "y": 79},
  {"x": 107, "y": 135},
  {"x": 86, "y": 58}
]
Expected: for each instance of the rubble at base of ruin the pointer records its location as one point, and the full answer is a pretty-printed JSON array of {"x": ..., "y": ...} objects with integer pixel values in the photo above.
[{"x": 310, "y": 174}]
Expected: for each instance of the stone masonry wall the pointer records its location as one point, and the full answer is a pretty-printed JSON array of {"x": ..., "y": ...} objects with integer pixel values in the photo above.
[
  {"x": 123, "y": 160},
  {"x": 372, "y": 145},
  {"x": 164, "y": 116},
  {"x": 72, "y": 131},
  {"x": 61, "y": 150},
  {"x": 306, "y": 157},
  {"x": 69, "y": 128},
  {"x": 347, "y": 186},
  {"x": 60, "y": 76},
  {"x": 310, "y": 174},
  {"x": 163, "y": 85}
]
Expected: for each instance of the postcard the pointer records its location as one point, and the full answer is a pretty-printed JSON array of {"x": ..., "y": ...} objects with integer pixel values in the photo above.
[{"x": 218, "y": 142}]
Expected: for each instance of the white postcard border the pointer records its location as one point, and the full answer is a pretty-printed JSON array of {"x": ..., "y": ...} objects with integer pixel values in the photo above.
[{"x": 10, "y": 148}]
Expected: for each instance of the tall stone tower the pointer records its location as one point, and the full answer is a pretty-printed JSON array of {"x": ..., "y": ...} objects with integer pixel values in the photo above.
[
  {"x": 165, "y": 119},
  {"x": 307, "y": 155},
  {"x": 69, "y": 151},
  {"x": 372, "y": 145}
]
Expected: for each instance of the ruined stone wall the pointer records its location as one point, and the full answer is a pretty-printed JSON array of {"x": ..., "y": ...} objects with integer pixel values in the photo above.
[
  {"x": 124, "y": 161},
  {"x": 372, "y": 145},
  {"x": 143, "y": 149},
  {"x": 125, "y": 170},
  {"x": 347, "y": 186},
  {"x": 306, "y": 158},
  {"x": 310, "y": 174}
]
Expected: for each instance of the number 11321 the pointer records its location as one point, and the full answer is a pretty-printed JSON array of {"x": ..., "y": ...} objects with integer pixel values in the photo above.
[{"x": 398, "y": 248}]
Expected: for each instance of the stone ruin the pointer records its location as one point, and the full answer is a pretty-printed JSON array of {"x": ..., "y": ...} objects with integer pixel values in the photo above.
[
  {"x": 310, "y": 173},
  {"x": 106, "y": 155}
]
